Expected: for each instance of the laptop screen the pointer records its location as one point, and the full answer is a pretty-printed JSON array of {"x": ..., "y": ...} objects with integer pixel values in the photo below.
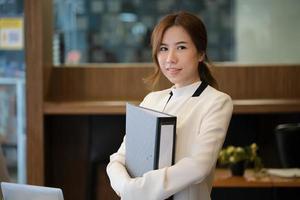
[{"x": 14, "y": 191}]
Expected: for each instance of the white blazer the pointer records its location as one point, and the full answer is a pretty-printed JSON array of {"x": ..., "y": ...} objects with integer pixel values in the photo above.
[{"x": 202, "y": 123}]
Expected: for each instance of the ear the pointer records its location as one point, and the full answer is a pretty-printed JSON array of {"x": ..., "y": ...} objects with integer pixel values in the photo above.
[{"x": 201, "y": 57}]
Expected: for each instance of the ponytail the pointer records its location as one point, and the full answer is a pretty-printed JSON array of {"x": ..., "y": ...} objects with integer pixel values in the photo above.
[{"x": 205, "y": 73}]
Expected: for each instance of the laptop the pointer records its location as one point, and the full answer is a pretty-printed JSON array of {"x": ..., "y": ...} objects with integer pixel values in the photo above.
[{"x": 15, "y": 191}]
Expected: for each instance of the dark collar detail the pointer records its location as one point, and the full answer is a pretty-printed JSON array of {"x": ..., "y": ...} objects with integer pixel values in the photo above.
[
  {"x": 171, "y": 94},
  {"x": 200, "y": 89}
]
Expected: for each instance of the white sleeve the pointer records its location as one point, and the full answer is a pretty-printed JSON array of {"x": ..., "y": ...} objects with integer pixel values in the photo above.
[
  {"x": 116, "y": 169},
  {"x": 163, "y": 183}
]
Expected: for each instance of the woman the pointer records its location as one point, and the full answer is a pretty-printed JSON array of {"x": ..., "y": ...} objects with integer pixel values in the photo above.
[{"x": 203, "y": 113}]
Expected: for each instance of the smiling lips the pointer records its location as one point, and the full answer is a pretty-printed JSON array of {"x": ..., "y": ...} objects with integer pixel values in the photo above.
[{"x": 173, "y": 70}]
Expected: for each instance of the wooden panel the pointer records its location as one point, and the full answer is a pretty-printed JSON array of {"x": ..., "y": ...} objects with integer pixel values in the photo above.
[
  {"x": 106, "y": 136},
  {"x": 223, "y": 178},
  {"x": 94, "y": 83},
  {"x": 243, "y": 106},
  {"x": 38, "y": 66},
  {"x": 260, "y": 82},
  {"x": 103, "y": 190},
  {"x": 244, "y": 193},
  {"x": 67, "y": 154},
  {"x": 102, "y": 83},
  {"x": 86, "y": 107},
  {"x": 252, "y": 106}
]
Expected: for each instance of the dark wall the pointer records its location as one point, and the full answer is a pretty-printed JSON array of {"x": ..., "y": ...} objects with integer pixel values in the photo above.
[
  {"x": 254, "y": 193},
  {"x": 245, "y": 129}
]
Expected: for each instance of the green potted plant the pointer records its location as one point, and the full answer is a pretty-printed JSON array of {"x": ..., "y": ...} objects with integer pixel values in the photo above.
[{"x": 238, "y": 158}]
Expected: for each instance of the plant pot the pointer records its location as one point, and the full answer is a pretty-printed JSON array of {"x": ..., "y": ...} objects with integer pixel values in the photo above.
[{"x": 238, "y": 169}]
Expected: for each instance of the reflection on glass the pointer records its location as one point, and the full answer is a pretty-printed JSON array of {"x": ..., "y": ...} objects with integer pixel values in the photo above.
[
  {"x": 118, "y": 31},
  {"x": 89, "y": 31}
]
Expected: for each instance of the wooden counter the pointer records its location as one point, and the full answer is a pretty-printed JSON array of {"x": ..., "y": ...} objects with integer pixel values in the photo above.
[
  {"x": 86, "y": 107},
  {"x": 241, "y": 106},
  {"x": 223, "y": 179}
]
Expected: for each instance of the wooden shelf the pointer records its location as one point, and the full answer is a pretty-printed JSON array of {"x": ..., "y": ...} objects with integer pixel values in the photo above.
[
  {"x": 266, "y": 105},
  {"x": 224, "y": 179},
  {"x": 241, "y": 106},
  {"x": 86, "y": 107}
]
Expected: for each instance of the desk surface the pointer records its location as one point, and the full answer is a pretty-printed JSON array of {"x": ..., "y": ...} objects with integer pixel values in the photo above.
[
  {"x": 223, "y": 178},
  {"x": 118, "y": 107}
]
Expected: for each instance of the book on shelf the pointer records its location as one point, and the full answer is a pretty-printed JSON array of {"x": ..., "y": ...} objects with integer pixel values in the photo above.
[{"x": 150, "y": 140}]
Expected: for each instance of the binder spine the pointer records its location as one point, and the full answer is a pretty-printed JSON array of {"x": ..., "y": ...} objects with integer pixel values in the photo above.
[
  {"x": 157, "y": 144},
  {"x": 161, "y": 140}
]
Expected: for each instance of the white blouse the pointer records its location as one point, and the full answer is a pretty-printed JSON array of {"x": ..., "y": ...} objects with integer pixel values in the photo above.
[{"x": 202, "y": 123}]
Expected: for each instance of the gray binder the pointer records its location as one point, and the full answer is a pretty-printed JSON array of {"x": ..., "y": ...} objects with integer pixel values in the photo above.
[{"x": 150, "y": 140}]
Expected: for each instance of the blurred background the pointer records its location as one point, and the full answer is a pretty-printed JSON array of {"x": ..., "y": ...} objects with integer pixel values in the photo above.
[{"x": 91, "y": 41}]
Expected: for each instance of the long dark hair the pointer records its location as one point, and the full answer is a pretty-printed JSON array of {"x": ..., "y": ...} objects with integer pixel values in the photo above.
[{"x": 197, "y": 31}]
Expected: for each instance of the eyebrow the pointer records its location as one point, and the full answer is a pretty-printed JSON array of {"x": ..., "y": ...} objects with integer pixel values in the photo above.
[{"x": 177, "y": 43}]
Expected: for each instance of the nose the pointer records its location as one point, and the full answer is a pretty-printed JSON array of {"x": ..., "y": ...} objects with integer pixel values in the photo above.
[{"x": 171, "y": 56}]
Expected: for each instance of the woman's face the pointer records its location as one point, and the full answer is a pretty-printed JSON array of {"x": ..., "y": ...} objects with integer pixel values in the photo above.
[{"x": 178, "y": 57}]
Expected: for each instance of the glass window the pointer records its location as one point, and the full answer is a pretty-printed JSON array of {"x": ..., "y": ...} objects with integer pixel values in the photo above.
[
  {"x": 94, "y": 31},
  {"x": 118, "y": 31}
]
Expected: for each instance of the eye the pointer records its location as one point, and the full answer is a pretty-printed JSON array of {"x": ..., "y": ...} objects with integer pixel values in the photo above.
[
  {"x": 180, "y": 47},
  {"x": 163, "y": 48}
]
